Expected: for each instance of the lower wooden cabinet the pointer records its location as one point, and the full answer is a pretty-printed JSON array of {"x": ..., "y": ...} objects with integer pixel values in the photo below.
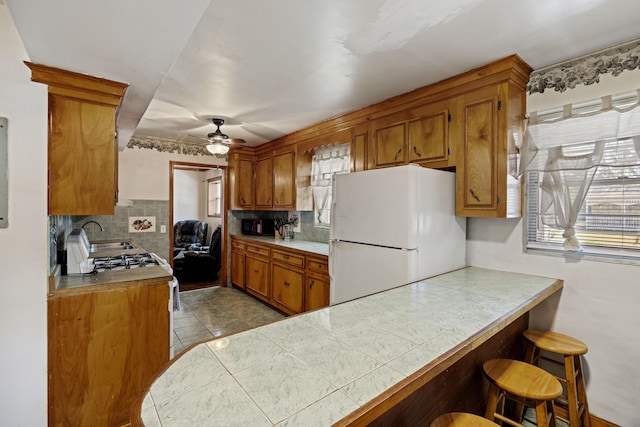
[
  {"x": 287, "y": 279},
  {"x": 257, "y": 277},
  {"x": 288, "y": 285},
  {"x": 237, "y": 268},
  {"x": 105, "y": 346},
  {"x": 316, "y": 292}
]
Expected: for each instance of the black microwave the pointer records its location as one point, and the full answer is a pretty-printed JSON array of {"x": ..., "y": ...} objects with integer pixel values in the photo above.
[{"x": 258, "y": 227}]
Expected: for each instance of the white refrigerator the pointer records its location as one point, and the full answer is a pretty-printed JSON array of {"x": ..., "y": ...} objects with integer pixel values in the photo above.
[{"x": 391, "y": 227}]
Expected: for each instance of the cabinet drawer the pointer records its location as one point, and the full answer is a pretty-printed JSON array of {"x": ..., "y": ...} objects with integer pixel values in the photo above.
[
  {"x": 238, "y": 245},
  {"x": 317, "y": 264},
  {"x": 289, "y": 258},
  {"x": 258, "y": 250}
]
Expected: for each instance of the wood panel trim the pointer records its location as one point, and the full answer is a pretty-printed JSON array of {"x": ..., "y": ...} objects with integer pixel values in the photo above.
[
  {"x": 512, "y": 69},
  {"x": 79, "y": 86}
]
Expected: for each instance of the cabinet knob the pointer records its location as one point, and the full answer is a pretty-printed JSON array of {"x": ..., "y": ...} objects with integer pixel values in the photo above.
[
  {"x": 255, "y": 271},
  {"x": 286, "y": 283},
  {"x": 311, "y": 284},
  {"x": 243, "y": 201},
  {"x": 397, "y": 154},
  {"x": 415, "y": 150}
]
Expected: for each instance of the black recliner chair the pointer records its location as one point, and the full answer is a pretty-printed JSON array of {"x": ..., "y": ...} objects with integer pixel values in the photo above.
[
  {"x": 202, "y": 264},
  {"x": 189, "y": 234}
]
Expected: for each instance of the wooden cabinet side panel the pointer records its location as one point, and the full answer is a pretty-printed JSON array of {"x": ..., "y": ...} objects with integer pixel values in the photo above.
[
  {"x": 359, "y": 153},
  {"x": 81, "y": 157},
  {"x": 104, "y": 349}
]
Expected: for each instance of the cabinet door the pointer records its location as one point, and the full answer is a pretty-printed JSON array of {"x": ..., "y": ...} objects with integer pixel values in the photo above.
[
  {"x": 257, "y": 277},
  {"x": 82, "y": 157},
  {"x": 237, "y": 268},
  {"x": 390, "y": 137},
  {"x": 245, "y": 184},
  {"x": 479, "y": 136},
  {"x": 316, "y": 292},
  {"x": 264, "y": 183},
  {"x": 287, "y": 288},
  {"x": 429, "y": 135},
  {"x": 284, "y": 190}
]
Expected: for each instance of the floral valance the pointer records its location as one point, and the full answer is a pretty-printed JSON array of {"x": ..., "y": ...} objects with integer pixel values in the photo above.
[{"x": 586, "y": 70}]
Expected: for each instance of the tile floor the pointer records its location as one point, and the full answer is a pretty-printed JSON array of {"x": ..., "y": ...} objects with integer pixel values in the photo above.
[{"x": 212, "y": 312}]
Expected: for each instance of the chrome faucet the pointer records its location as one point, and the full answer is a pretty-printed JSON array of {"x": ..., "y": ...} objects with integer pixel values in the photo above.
[{"x": 95, "y": 222}]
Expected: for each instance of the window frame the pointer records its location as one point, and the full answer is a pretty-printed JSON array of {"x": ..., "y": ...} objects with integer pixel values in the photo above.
[
  {"x": 590, "y": 252},
  {"x": 217, "y": 209}
]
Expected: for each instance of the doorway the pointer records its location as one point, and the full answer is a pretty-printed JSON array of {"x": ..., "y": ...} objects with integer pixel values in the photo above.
[{"x": 196, "y": 192}]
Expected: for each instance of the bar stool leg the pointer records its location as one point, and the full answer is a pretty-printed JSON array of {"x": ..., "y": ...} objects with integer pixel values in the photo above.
[
  {"x": 545, "y": 413},
  {"x": 578, "y": 406},
  {"x": 492, "y": 402}
]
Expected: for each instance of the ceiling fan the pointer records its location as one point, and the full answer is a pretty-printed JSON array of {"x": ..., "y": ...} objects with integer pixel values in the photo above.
[{"x": 219, "y": 143}]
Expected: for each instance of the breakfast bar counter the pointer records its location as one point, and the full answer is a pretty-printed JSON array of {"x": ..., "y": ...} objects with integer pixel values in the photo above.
[{"x": 399, "y": 357}]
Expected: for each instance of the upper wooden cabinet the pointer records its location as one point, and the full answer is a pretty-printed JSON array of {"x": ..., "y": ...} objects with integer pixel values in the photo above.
[
  {"x": 241, "y": 179},
  {"x": 428, "y": 135},
  {"x": 390, "y": 140},
  {"x": 264, "y": 183},
  {"x": 488, "y": 122},
  {"x": 469, "y": 123},
  {"x": 284, "y": 180},
  {"x": 417, "y": 135},
  {"x": 82, "y": 147}
]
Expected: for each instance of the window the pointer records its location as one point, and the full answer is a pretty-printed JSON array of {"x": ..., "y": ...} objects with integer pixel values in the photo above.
[
  {"x": 325, "y": 163},
  {"x": 583, "y": 179},
  {"x": 214, "y": 197}
]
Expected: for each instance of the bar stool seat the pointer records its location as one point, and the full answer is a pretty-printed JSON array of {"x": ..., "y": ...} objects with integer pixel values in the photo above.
[
  {"x": 460, "y": 419},
  {"x": 522, "y": 383},
  {"x": 572, "y": 406}
]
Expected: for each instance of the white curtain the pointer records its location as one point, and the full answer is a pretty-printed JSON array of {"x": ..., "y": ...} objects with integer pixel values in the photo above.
[
  {"x": 568, "y": 149},
  {"x": 326, "y": 162}
]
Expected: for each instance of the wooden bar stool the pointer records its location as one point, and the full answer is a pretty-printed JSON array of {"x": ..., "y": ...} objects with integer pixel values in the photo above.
[
  {"x": 522, "y": 383},
  {"x": 459, "y": 419},
  {"x": 573, "y": 402}
]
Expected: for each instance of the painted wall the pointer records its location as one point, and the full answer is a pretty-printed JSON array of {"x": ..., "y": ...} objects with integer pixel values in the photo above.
[
  {"x": 24, "y": 263},
  {"x": 188, "y": 202},
  {"x": 144, "y": 174},
  {"x": 599, "y": 301}
]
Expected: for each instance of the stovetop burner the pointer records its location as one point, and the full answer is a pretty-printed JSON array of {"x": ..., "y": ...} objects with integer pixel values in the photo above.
[{"x": 122, "y": 262}]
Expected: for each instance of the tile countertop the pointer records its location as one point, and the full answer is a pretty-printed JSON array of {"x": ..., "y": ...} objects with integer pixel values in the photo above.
[
  {"x": 301, "y": 245},
  {"x": 316, "y": 368}
]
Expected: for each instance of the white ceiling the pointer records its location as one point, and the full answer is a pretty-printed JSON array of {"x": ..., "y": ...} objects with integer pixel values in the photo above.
[{"x": 271, "y": 68}]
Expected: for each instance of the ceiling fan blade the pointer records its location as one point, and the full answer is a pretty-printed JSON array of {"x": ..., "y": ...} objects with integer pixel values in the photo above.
[{"x": 236, "y": 141}]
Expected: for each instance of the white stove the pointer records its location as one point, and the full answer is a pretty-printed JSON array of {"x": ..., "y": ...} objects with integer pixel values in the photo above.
[
  {"x": 79, "y": 262},
  {"x": 125, "y": 262}
]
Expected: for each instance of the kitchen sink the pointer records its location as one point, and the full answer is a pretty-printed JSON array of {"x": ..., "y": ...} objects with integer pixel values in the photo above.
[{"x": 106, "y": 246}]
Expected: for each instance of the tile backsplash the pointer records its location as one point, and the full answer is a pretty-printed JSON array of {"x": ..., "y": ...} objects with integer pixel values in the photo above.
[
  {"x": 307, "y": 229},
  {"x": 114, "y": 227}
]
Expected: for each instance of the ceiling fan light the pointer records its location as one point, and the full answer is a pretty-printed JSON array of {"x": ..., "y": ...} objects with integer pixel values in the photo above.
[{"x": 217, "y": 148}]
